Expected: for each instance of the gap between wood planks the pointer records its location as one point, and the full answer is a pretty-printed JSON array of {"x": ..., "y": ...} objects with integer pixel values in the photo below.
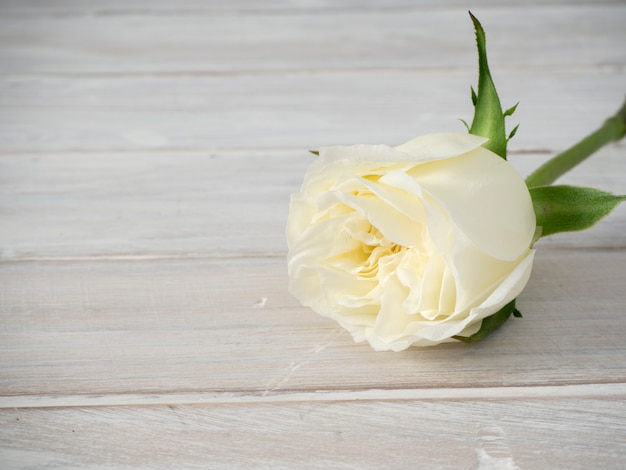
[
  {"x": 594, "y": 390},
  {"x": 602, "y": 68},
  {"x": 231, "y": 152}
]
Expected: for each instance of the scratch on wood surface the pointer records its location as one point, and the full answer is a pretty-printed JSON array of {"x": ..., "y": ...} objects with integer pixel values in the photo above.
[
  {"x": 493, "y": 452},
  {"x": 327, "y": 341},
  {"x": 278, "y": 382}
]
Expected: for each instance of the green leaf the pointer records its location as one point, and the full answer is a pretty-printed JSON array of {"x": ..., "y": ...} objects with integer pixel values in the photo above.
[
  {"x": 491, "y": 323},
  {"x": 513, "y": 132},
  {"x": 315, "y": 152},
  {"x": 488, "y": 117},
  {"x": 570, "y": 208},
  {"x": 511, "y": 110},
  {"x": 474, "y": 97}
]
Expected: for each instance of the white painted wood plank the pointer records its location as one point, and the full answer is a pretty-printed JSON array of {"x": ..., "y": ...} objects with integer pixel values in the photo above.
[
  {"x": 416, "y": 37},
  {"x": 229, "y": 325},
  {"x": 194, "y": 7},
  {"x": 142, "y": 252},
  {"x": 500, "y": 434},
  {"x": 146, "y": 205},
  {"x": 291, "y": 111}
]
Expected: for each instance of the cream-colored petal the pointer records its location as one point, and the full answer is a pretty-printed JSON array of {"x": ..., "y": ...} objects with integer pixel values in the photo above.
[
  {"x": 392, "y": 319},
  {"x": 435, "y": 333},
  {"x": 393, "y": 224},
  {"x": 475, "y": 272},
  {"x": 437, "y": 146},
  {"x": 424, "y": 283},
  {"x": 421, "y": 149},
  {"x": 361, "y": 153},
  {"x": 431, "y": 333},
  {"x": 404, "y": 202},
  {"x": 449, "y": 295},
  {"x": 486, "y": 198},
  {"x": 301, "y": 211},
  {"x": 320, "y": 241},
  {"x": 410, "y": 273},
  {"x": 509, "y": 289}
]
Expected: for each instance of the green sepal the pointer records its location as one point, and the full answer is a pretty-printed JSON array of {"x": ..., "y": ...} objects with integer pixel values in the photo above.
[
  {"x": 315, "y": 152},
  {"x": 492, "y": 323},
  {"x": 570, "y": 208},
  {"x": 488, "y": 118}
]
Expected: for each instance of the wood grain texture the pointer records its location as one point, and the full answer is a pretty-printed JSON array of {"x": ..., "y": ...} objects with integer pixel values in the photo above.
[
  {"x": 116, "y": 89},
  {"x": 299, "y": 111},
  {"x": 354, "y": 38},
  {"x": 147, "y": 154},
  {"x": 564, "y": 434},
  {"x": 229, "y": 325},
  {"x": 239, "y": 7}
]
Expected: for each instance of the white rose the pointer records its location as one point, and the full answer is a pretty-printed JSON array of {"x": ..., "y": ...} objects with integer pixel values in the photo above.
[{"x": 410, "y": 245}]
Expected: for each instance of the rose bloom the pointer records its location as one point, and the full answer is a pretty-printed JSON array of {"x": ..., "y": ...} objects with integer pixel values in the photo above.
[{"x": 413, "y": 244}]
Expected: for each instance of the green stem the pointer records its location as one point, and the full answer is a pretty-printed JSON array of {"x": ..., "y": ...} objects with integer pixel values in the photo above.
[{"x": 613, "y": 129}]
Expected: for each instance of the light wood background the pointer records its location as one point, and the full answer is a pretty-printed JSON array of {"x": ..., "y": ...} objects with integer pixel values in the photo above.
[{"x": 147, "y": 154}]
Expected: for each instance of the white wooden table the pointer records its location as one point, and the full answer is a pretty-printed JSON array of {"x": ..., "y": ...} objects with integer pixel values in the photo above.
[{"x": 147, "y": 154}]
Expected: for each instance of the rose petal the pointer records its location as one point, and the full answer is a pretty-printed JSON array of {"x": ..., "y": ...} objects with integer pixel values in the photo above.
[
  {"x": 507, "y": 290},
  {"x": 361, "y": 152},
  {"x": 393, "y": 224},
  {"x": 440, "y": 146},
  {"x": 392, "y": 319},
  {"x": 486, "y": 198}
]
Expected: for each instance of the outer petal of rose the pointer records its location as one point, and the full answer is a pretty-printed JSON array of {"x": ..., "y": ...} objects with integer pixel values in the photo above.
[
  {"x": 474, "y": 271},
  {"x": 301, "y": 211},
  {"x": 421, "y": 149},
  {"x": 440, "y": 146},
  {"x": 317, "y": 241},
  {"x": 424, "y": 334},
  {"x": 319, "y": 288},
  {"x": 508, "y": 290},
  {"x": 486, "y": 198},
  {"x": 472, "y": 268},
  {"x": 361, "y": 153}
]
